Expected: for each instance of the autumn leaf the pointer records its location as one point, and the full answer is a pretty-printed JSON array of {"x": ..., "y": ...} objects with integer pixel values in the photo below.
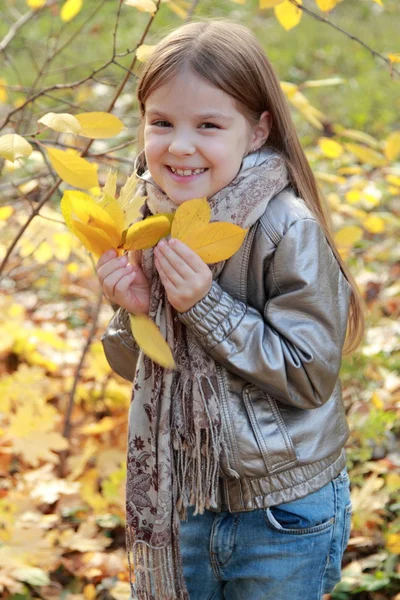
[
  {"x": 327, "y": 5},
  {"x": 99, "y": 228},
  {"x": 366, "y": 155},
  {"x": 99, "y": 125},
  {"x": 288, "y": 14},
  {"x": 143, "y": 5},
  {"x": 3, "y": 90},
  {"x": 149, "y": 338},
  {"x": 330, "y": 148},
  {"x": 190, "y": 216},
  {"x": 70, "y": 9},
  {"x": 73, "y": 169},
  {"x": 35, "y": 4},
  {"x": 147, "y": 233},
  {"x": 144, "y": 52},
  {"x": 216, "y": 241},
  {"x": 392, "y": 147},
  {"x": 12, "y": 146},
  {"x": 61, "y": 122}
]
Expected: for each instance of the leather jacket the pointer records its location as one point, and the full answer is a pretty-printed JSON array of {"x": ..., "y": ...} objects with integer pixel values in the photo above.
[{"x": 275, "y": 323}]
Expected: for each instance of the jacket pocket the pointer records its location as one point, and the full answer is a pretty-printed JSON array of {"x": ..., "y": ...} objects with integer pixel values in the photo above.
[{"x": 274, "y": 443}]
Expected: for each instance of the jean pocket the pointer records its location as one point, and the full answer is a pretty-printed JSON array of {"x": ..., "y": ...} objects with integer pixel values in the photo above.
[{"x": 312, "y": 514}]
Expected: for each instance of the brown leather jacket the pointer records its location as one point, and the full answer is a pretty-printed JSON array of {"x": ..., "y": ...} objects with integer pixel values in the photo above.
[{"x": 275, "y": 323}]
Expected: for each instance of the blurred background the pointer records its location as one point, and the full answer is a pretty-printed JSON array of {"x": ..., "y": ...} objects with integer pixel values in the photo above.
[{"x": 63, "y": 413}]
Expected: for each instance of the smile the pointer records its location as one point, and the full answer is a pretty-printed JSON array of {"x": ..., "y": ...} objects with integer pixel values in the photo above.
[{"x": 187, "y": 172}]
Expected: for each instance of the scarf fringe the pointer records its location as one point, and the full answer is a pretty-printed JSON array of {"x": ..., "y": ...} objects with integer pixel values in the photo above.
[{"x": 154, "y": 573}]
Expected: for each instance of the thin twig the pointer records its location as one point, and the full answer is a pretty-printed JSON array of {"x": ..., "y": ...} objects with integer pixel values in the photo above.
[
  {"x": 346, "y": 33},
  {"x": 26, "y": 224},
  {"x": 14, "y": 29},
  {"x": 67, "y": 422},
  {"x": 191, "y": 10}
]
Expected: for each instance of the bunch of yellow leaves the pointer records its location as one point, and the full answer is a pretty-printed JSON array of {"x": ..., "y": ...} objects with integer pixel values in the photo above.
[{"x": 107, "y": 222}]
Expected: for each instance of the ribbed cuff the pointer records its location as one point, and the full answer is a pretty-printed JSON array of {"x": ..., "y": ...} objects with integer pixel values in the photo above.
[{"x": 214, "y": 317}]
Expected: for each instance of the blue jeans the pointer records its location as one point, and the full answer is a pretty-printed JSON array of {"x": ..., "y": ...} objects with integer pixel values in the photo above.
[{"x": 288, "y": 552}]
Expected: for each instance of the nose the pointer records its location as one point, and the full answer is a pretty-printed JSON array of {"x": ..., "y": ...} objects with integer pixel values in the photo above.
[{"x": 181, "y": 146}]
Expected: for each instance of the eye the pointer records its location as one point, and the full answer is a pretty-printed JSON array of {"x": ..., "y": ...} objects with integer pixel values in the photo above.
[
  {"x": 161, "y": 124},
  {"x": 209, "y": 126}
]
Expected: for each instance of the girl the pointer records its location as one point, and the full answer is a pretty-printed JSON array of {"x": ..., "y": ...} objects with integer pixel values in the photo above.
[{"x": 243, "y": 441}]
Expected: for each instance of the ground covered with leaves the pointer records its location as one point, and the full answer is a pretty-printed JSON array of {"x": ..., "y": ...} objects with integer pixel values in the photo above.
[{"x": 63, "y": 413}]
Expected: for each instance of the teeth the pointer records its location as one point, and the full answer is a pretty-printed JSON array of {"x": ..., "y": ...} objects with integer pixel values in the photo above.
[{"x": 186, "y": 172}]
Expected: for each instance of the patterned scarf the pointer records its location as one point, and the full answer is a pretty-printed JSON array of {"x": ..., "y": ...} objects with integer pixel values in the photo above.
[{"x": 175, "y": 434}]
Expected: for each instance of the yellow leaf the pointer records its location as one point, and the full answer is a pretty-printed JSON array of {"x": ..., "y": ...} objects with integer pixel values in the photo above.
[
  {"x": 95, "y": 240},
  {"x": 392, "y": 148},
  {"x": 393, "y": 179},
  {"x": 70, "y": 9},
  {"x": 313, "y": 83},
  {"x": 3, "y": 91},
  {"x": 348, "y": 236},
  {"x": 90, "y": 213},
  {"x": 330, "y": 148},
  {"x": 143, "y": 5},
  {"x": 288, "y": 14},
  {"x": 62, "y": 122},
  {"x": 13, "y": 146},
  {"x": 43, "y": 253},
  {"x": 394, "y": 57},
  {"x": 181, "y": 12},
  {"x": 393, "y": 543},
  {"x": 377, "y": 401},
  {"x": 329, "y": 178},
  {"x": 359, "y": 136},
  {"x": 144, "y": 52},
  {"x": 6, "y": 212},
  {"x": 378, "y": 2},
  {"x": 35, "y": 4},
  {"x": 367, "y": 155},
  {"x": 150, "y": 340},
  {"x": 216, "y": 241},
  {"x": 269, "y": 3},
  {"x": 190, "y": 216},
  {"x": 374, "y": 224},
  {"x": 110, "y": 186},
  {"x": 73, "y": 169},
  {"x": 326, "y": 5},
  {"x": 97, "y": 125},
  {"x": 147, "y": 233}
]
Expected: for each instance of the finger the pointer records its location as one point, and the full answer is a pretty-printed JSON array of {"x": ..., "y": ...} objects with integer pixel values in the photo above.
[
  {"x": 110, "y": 283},
  {"x": 178, "y": 264},
  {"x": 105, "y": 257},
  {"x": 188, "y": 255},
  {"x": 166, "y": 281},
  {"x": 122, "y": 286},
  {"x": 111, "y": 266}
]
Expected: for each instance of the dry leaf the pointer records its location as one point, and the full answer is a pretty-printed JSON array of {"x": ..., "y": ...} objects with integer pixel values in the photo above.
[
  {"x": 150, "y": 340},
  {"x": 61, "y": 122},
  {"x": 147, "y": 233},
  {"x": 190, "y": 216},
  {"x": 99, "y": 125},
  {"x": 216, "y": 241}
]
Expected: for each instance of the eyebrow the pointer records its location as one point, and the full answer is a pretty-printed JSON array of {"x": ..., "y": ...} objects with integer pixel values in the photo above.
[{"x": 201, "y": 117}]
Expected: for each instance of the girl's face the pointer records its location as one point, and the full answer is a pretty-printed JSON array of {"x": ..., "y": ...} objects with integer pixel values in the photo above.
[{"x": 194, "y": 137}]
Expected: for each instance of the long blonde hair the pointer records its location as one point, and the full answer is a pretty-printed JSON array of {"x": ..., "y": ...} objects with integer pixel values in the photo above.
[{"x": 228, "y": 56}]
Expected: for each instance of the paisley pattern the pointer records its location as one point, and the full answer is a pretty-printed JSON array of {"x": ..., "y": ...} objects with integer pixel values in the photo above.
[{"x": 175, "y": 433}]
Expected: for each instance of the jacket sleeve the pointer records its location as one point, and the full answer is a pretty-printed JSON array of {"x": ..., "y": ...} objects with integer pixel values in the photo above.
[
  {"x": 293, "y": 350},
  {"x": 119, "y": 346}
]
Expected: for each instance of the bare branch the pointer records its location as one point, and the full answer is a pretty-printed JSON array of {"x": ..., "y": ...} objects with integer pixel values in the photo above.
[
  {"x": 347, "y": 34},
  {"x": 14, "y": 29},
  {"x": 67, "y": 421}
]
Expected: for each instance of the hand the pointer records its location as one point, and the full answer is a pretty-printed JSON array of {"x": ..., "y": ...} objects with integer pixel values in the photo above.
[
  {"x": 185, "y": 276},
  {"x": 123, "y": 283}
]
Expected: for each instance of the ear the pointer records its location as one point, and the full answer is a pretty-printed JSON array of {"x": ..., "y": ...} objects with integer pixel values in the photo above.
[{"x": 262, "y": 130}]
